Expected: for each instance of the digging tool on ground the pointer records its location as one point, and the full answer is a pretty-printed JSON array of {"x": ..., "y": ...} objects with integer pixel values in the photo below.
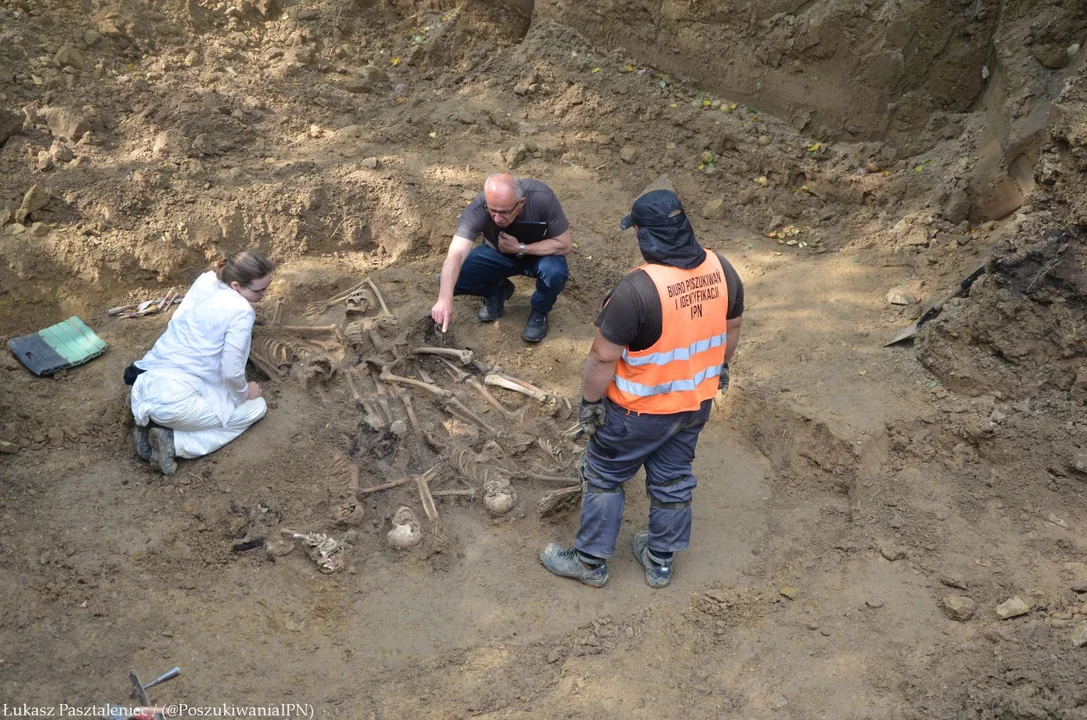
[
  {"x": 139, "y": 690},
  {"x": 911, "y": 331}
]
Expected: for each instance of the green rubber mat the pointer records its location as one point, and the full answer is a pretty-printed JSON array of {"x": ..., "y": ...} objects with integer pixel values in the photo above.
[{"x": 57, "y": 347}]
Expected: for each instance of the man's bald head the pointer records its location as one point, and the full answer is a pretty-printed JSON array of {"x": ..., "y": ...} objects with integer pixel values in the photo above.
[{"x": 503, "y": 193}]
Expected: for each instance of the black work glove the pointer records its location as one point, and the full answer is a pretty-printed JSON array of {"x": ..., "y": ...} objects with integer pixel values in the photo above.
[
  {"x": 722, "y": 387},
  {"x": 591, "y": 416}
]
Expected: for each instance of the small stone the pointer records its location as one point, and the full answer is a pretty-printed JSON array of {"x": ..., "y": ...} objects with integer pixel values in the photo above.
[
  {"x": 1013, "y": 607},
  {"x": 813, "y": 626},
  {"x": 372, "y": 163},
  {"x": 953, "y": 582},
  {"x": 91, "y": 37},
  {"x": 629, "y": 631},
  {"x": 824, "y": 632},
  {"x": 18, "y": 228},
  {"x": 192, "y": 59},
  {"x": 11, "y": 123},
  {"x": 714, "y": 209},
  {"x": 1057, "y": 521},
  {"x": 305, "y": 15},
  {"x": 629, "y": 154},
  {"x": 988, "y": 226},
  {"x": 1079, "y": 635},
  {"x": 554, "y": 655},
  {"x": 957, "y": 207},
  {"x": 68, "y": 56},
  {"x": 44, "y": 161},
  {"x": 892, "y": 552},
  {"x": 66, "y": 123},
  {"x": 874, "y": 603},
  {"x": 1051, "y": 55},
  {"x": 358, "y": 86},
  {"x": 900, "y": 296},
  {"x": 959, "y": 607},
  {"x": 1080, "y": 462},
  {"x": 39, "y": 229},
  {"x": 35, "y": 199},
  {"x": 203, "y": 145},
  {"x": 764, "y": 140},
  {"x": 790, "y": 592},
  {"x": 61, "y": 152},
  {"x": 917, "y": 236}
]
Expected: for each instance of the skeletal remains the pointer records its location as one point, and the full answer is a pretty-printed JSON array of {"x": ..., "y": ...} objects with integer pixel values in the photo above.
[
  {"x": 381, "y": 378},
  {"x": 325, "y": 551}
]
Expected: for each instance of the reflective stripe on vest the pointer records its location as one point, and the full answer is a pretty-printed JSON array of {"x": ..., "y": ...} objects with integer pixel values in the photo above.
[
  {"x": 679, "y": 371},
  {"x": 663, "y": 358}
]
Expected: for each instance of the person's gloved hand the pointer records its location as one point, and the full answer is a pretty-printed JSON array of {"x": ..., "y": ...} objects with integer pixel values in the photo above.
[
  {"x": 722, "y": 387},
  {"x": 591, "y": 416}
]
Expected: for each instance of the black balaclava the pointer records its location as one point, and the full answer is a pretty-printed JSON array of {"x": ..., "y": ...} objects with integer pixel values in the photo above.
[{"x": 665, "y": 235}]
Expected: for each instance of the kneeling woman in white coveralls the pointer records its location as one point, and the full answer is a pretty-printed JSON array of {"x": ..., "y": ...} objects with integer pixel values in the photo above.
[{"x": 189, "y": 393}]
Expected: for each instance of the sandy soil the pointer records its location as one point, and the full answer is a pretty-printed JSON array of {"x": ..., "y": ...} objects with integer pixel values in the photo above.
[{"x": 343, "y": 138}]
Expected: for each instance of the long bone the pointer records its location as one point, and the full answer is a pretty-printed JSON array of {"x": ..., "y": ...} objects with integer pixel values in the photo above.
[
  {"x": 455, "y": 372},
  {"x": 373, "y": 417},
  {"x": 503, "y": 381},
  {"x": 380, "y": 299},
  {"x": 465, "y": 357},
  {"x": 316, "y": 308},
  {"x": 490, "y": 398}
]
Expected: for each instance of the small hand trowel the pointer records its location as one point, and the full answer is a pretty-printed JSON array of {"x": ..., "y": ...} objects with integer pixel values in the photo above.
[{"x": 908, "y": 332}]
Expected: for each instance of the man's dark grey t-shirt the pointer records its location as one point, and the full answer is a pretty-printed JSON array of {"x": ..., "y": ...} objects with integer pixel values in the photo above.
[
  {"x": 541, "y": 205},
  {"x": 632, "y": 316}
]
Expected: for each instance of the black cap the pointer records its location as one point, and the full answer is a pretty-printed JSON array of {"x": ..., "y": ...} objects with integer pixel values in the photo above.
[{"x": 659, "y": 208}]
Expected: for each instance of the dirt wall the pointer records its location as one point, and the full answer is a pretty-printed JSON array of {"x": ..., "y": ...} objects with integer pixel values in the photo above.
[{"x": 849, "y": 69}]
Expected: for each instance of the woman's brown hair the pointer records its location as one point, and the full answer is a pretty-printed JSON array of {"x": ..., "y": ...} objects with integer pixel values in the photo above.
[{"x": 243, "y": 267}]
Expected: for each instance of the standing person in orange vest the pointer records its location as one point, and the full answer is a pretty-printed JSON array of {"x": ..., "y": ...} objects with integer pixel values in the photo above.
[{"x": 663, "y": 342}]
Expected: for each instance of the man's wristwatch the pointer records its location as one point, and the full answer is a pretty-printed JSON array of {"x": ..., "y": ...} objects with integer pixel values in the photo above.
[{"x": 520, "y": 249}]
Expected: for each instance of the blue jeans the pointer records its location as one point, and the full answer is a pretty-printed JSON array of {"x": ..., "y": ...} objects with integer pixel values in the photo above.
[
  {"x": 665, "y": 444},
  {"x": 485, "y": 268}
]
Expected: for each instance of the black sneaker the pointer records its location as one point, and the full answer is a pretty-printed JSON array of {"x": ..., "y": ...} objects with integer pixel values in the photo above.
[
  {"x": 142, "y": 442},
  {"x": 162, "y": 444},
  {"x": 495, "y": 307},
  {"x": 536, "y": 327}
]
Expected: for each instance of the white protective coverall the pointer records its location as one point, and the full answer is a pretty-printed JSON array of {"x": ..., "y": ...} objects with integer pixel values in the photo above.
[{"x": 195, "y": 374}]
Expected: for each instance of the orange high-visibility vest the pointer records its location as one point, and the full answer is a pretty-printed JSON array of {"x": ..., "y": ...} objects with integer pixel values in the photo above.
[{"x": 680, "y": 371}]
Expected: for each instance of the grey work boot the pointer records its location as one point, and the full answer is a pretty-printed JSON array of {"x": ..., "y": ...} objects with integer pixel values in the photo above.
[
  {"x": 162, "y": 445},
  {"x": 536, "y": 327},
  {"x": 495, "y": 307},
  {"x": 567, "y": 563},
  {"x": 657, "y": 575},
  {"x": 142, "y": 442}
]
